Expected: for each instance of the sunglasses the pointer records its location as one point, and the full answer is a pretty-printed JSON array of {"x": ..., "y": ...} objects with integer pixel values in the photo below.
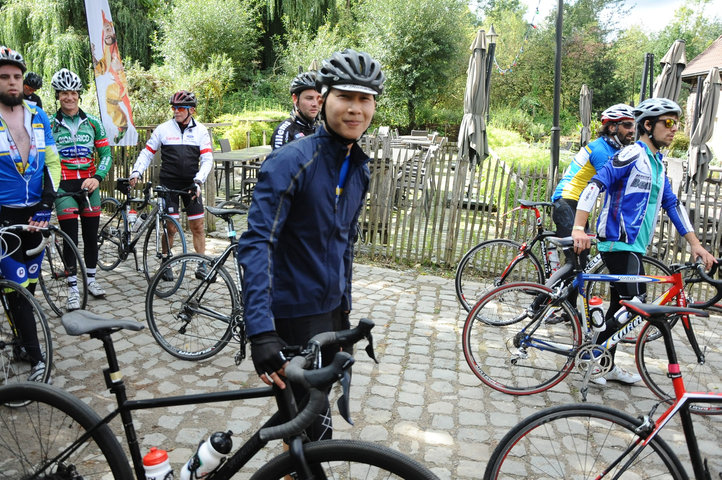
[
  {"x": 183, "y": 107},
  {"x": 670, "y": 122},
  {"x": 627, "y": 124}
]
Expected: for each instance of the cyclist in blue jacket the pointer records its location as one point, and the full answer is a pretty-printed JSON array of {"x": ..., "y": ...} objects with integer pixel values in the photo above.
[
  {"x": 636, "y": 188},
  {"x": 297, "y": 254}
]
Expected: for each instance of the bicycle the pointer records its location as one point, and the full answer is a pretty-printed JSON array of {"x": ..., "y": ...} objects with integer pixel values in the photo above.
[
  {"x": 15, "y": 361},
  {"x": 195, "y": 315},
  {"x": 594, "y": 441},
  {"x": 496, "y": 262},
  {"x": 524, "y": 338},
  {"x": 69, "y": 440},
  {"x": 118, "y": 236},
  {"x": 62, "y": 261}
]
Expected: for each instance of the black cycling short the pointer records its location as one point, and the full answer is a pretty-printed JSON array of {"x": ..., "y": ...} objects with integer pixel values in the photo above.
[{"x": 194, "y": 208}]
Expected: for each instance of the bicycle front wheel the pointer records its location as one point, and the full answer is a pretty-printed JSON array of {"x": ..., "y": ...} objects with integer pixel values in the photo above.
[
  {"x": 580, "y": 441},
  {"x": 49, "y": 426},
  {"x": 162, "y": 244},
  {"x": 519, "y": 340},
  {"x": 347, "y": 459},
  {"x": 110, "y": 234},
  {"x": 700, "y": 375},
  {"x": 19, "y": 354},
  {"x": 193, "y": 318},
  {"x": 57, "y": 268},
  {"x": 493, "y": 263}
]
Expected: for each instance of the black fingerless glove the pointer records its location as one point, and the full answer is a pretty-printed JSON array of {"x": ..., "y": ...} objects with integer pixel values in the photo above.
[{"x": 266, "y": 352}]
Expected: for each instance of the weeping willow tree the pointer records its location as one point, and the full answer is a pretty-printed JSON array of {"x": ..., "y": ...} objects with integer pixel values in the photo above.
[
  {"x": 52, "y": 34},
  {"x": 298, "y": 14}
]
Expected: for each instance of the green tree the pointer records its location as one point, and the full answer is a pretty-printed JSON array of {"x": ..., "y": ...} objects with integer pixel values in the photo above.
[
  {"x": 423, "y": 45},
  {"x": 193, "y": 33}
]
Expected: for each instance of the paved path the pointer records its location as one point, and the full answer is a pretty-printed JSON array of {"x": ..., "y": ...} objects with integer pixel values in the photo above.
[{"x": 421, "y": 399}]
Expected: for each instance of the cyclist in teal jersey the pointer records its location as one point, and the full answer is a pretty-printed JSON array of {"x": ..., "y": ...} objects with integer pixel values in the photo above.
[
  {"x": 79, "y": 136},
  {"x": 636, "y": 188},
  {"x": 29, "y": 175}
]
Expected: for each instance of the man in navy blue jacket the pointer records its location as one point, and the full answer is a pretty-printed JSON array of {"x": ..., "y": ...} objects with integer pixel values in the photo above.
[{"x": 297, "y": 254}]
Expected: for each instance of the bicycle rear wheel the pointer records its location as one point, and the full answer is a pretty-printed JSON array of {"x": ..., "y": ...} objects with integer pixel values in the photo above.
[
  {"x": 519, "y": 341},
  {"x": 110, "y": 234},
  {"x": 348, "y": 459},
  {"x": 50, "y": 422},
  {"x": 161, "y": 245},
  {"x": 493, "y": 263},
  {"x": 652, "y": 360},
  {"x": 56, "y": 270},
  {"x": 192, "y": 318},
  {"x": 579, "y": 441},
  {"x": 17, "y": 355}
]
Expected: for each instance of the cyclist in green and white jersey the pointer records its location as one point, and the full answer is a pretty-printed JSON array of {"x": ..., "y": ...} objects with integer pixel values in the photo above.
[{"x": 79, "y": 136}]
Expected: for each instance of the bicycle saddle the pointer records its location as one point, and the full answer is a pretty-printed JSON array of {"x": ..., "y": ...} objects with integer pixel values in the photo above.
[{"x": 79, "y": 322}]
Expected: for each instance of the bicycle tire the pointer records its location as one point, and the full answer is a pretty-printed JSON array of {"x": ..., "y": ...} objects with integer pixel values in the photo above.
[
  {"x": 486, "y": 266},
  {"x": 194, "y": 319},
  {"x": 572, "y": 441},
  {"x": 155, "y": 245},
  {"x": 51, "y": 421},
  {"x": 652, "y": 360},
  {"x": 55, "y": 271},
  {"x": 347, "y": 459},
  {"x": 652, "y": 266},
  {"x": 15, "y": 364},
  {"x": 110, "y": 234},
  {"x": 504, "y": 356}
]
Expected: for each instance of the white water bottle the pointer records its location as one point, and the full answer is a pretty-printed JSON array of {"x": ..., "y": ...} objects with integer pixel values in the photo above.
[
  {"x": 157, "y": 466},
  {"x": 553, "y": 256},
  {"x": 597, "y": 314},
  {"x": 132, "y": 216},
  {"x": 208, "y": 457}
]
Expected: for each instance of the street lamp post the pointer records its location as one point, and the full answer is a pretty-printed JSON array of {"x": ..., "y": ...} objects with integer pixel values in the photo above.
[
  {"x": 556, "y": 131},
  {"x": 491, "y": 37}
]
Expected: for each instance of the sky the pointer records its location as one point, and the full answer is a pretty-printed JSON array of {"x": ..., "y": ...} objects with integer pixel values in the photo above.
[{"x": 651, "y": 15}]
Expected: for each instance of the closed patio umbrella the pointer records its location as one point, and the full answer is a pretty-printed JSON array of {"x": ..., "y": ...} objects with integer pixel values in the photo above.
[
  {"x": 585, "y": 114},
  {"x": 669, "y": 81},
  {"x": 472, "y": 141},
  {"x": 699, "y": 153}
]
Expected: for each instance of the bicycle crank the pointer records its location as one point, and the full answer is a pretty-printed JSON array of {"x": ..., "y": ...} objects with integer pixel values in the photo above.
[{"x": 595, "y": 358}]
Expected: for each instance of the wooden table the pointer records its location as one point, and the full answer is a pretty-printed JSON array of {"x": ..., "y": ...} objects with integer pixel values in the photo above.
[{"x": 245, "y": 159}]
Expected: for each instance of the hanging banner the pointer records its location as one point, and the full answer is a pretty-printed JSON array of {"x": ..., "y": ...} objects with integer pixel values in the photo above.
[{"x": 110, "y": 82}]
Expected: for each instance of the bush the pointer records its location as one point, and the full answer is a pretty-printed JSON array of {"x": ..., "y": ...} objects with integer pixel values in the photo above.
[
  {"x": 518, "y": 121},
  {"x": 241, "y": 125},
  {"x": 679, "y": 146}
]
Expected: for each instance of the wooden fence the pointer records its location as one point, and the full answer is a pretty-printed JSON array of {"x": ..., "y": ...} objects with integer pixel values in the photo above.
[{"x": 425, "y": 207}]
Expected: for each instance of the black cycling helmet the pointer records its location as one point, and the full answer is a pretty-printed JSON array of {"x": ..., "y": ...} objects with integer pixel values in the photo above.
[
  {"x": 9, "y": 56},
  {"x": 303, "y": 81},
  {"x": 351, "y": 71},
  {"x": 183, "y": 98},
  {"x": 33, "y": 80}
]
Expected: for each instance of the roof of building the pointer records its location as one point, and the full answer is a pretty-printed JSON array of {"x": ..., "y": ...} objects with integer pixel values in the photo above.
[{"x": 700, "y": 65}]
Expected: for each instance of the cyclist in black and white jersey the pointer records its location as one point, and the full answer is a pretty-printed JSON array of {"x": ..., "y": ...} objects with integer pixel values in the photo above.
[
  {"x": 303, "y": 119},
  {"x": 186, "y": 160}
]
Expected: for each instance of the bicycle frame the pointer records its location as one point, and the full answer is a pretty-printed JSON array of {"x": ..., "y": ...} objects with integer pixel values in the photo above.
[
  {"x": 538, "y": 238},
  {"x": 681, "y": 405}
]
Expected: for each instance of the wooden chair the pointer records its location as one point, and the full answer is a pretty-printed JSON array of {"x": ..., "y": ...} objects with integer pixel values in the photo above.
[{"x": 225, "y": 145}]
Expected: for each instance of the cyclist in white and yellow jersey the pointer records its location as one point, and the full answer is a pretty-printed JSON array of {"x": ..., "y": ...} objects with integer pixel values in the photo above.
[{"x": 617, "y": 131}]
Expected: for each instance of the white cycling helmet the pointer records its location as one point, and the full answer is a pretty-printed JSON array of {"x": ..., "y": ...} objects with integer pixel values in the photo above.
[
  {"x": 64, "y": 80},
  {"x": 654, "y": 107},
  {"x": 617, "y": 113},
  {"x": 8, "y": 56}
]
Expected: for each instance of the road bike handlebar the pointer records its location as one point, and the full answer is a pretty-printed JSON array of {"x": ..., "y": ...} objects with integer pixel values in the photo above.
[
  {"x": 317, "y": 381},
  {"x": 33, "y": 251}
]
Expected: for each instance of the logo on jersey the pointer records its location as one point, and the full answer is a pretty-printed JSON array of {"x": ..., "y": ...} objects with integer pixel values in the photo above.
[
  {"x": 20, "y": 272},
  {"x": 75, "y": 151},
  {"x": 33, "y": 269}
]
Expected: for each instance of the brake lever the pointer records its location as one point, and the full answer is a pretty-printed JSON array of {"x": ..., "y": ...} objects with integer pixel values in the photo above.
[
  {"x": 370, "y": 347},
  {"x": 343, "y": 402}
]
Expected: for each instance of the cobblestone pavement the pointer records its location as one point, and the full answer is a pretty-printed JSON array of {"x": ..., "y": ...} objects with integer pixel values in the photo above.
[{"x": 421, "y": 399}]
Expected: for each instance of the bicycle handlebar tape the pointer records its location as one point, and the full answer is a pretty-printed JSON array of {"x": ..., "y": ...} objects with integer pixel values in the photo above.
[{"x": 317, "y": 381}]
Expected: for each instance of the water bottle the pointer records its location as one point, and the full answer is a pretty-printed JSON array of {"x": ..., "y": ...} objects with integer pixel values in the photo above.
[
  {"x": 157, "y": 466},
  {"x": 553, "y": 257},
  {"x": 596, "y": 314},
  {"x": 132, "y": 216},
  {"x": 140, "y": 220},
  {"x": 208, "y": 457}
]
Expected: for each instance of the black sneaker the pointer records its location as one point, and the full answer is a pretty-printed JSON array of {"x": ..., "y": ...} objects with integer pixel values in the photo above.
[
  {"x": 167, "y": 275},
  {"x": 201, "y": 271}
]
